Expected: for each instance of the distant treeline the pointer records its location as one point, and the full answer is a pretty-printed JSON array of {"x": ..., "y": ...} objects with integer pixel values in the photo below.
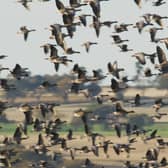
[{"x": 31, "y": 86}]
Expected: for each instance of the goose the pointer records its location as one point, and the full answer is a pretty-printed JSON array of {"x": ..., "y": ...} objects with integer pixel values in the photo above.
[
  {"x": 159, "y": 3},
  {"x": 118, "y": 148},
  {"x": 38, "y": 125},
  {"x": 117, "y": 39},
  {"x": 70, "y": 134},
  {"x": 125, "y": 79},
  {"x": 25, "y": 31},
  {"x": 61, "y": 8},
  {"x": 158, "y": 104},
  {"x": 161, "y": 143},
  {"x": 152, "y": 135},
  {"x": 96, "y": 25},
  {"x": 97, "y": 75},
  {"x": 121, "y": 111},
  {"x": 57, "y": 60},
  {"x": 152, "y": 154},
  {"x": 88, "y": 163},
  {"x": 94, "y": 136},
  {"x": 56, "y": 33},
  {"x": 87, "y": 45},
  {"x": 138, "y": 131},
  {"x": 3, "y": 56},
  {"x": 25, "y": 3},
  {"x": 105, "y": 146},
  {"x": 117, "y": 128},
  {"x": 78, "y": 70},
  {"x": 124, "y": 48},
  {"x": 165, "y": 41},
  {"x": 147, "y": 17},
  {"x": 43, "y": 109},
  {"x": 153, "y": 32},
  {"x": 47, "y": 47},
  {"x": 25, "y": 107},
  {"x": 113, "y": 69},
  {"x": 83, "y": 115},
  {"x": 163, "y": 63},
  {"x": 76, "y": 3},
  {"x": 141, "y": 24},
  {"x": 40, "y": 147},
  {"x": 108, "y": 23},
  {"x": 137, "y": 100},
  {"x": 159, "y": 115},
  {"x": 18, "y": 72},
  {"x": 158, "y": 19},
  {"x": 163, "y": 162},
  {"x": 28, "y": 117},
  {"x": 140, "y": 56},
  {"x": 17, "y": 136},
  {"x": 68, "y": 20},
  {"x": 95, "y": 5},
  {"x": 148, "y": 73},
  {"x": 70, "y": 51},
  {"x": 83, "y": 20},
  {"x": 121, "y": 27},
  {"x": 138, "y": 3},
  {"x": 114, "y": 85}
]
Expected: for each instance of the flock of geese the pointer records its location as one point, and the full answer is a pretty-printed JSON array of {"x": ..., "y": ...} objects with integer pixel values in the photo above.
[{"x": 48, "y": 129}]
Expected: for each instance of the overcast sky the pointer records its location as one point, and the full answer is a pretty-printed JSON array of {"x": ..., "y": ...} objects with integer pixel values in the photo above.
[{"x": 29, "y": 54}]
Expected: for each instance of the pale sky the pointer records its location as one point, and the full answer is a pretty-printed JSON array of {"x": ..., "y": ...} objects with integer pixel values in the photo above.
[{"x": 29, "y": 54}]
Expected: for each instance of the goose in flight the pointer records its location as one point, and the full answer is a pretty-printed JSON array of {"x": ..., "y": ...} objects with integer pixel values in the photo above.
[
  {"x": 113, "y": 69},
  {"x": 117, "y": 39},
  {"x": 95, "y": 5},
  {"x": 82, "y": 19},
  {"x": 96, "y": 25},
  {"x": 121, "y": 111},
  {"x": 3, "y": 56},
  {"x": 124, "y": 48},
  {"x": 163, "y": 63},
  {"x": 97, "y": 75},
  {"x": 18, "y": 72},
  {"x": 25, "y": 31},
  {"x": 140, "y": 56},
  {"x": 47, "y": 47},
  {"x": 158, "y": 19},
  {"x": 88, "y": 44},
  {"x": 159, "y": 2},
  {"x": 121, "y": 27},
  {"x": 148, "y": 73},
  {"x": 62, "y": 9},
  {"x": 25, "y": 3},
  {"x": 140, "y": 25},
  {"x": 138, "y": 3},
  {"x": 153, "y": 32},
  {"x": 76, "y": 3},
  {"x": 152, "y": 135},
  {"x": 57, "y": 60}
]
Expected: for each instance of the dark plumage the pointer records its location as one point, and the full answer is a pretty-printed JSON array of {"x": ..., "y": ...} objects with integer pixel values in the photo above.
[
  {"x": 117, "y": 39},
  {"x": 25, "y": 31},
  {"x": 158, "y": 2}
]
